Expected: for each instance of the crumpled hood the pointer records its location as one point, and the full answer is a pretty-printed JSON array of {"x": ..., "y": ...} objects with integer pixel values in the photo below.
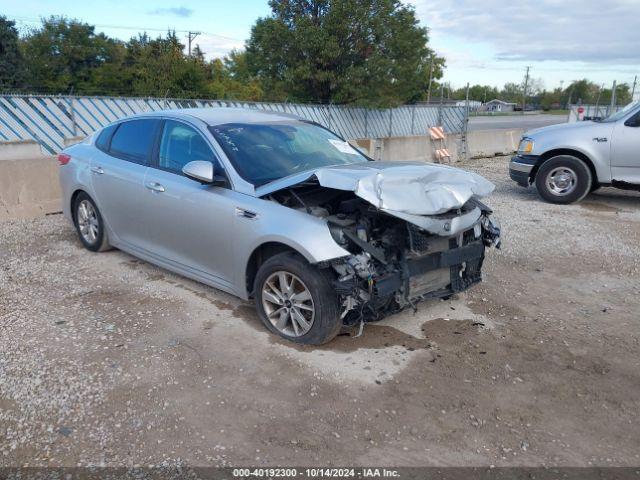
[{"x": 413, "y": 188}]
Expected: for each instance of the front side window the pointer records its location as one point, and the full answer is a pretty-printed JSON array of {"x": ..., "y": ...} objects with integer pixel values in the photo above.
[
  {"x": 264, "y": 152},
  {"x": 181, "y": 144},
  {"x": 133, "y": 140}
]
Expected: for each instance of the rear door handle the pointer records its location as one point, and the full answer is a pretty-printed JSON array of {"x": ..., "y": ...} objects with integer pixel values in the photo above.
[
  {"x": 97, "y": 170},
  {"x": 154, "y": 186}
]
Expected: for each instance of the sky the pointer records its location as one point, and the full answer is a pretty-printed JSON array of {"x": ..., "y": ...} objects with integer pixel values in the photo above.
[{"x": 489, "y": 42}]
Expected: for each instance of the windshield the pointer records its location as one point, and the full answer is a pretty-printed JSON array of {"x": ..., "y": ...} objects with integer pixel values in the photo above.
[
  {"x": 263, "y": 152},
  {"x": 614, "y": 117}
]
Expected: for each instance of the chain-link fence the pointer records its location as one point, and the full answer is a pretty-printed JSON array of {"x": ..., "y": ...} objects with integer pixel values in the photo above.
[
  {"x": 51, "y": 119},
  {"x": 579, "y": 113}
]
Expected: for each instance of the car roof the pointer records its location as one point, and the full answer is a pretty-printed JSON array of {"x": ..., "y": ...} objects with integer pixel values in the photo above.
[{"x": 222, "y": 115}]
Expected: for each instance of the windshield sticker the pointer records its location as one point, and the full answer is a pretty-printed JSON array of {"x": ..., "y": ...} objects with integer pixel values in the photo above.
[{"x": 343, "y": 147}]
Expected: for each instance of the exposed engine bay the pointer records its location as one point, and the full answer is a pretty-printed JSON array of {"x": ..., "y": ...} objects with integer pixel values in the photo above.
[{"x": 396, "y": 260}]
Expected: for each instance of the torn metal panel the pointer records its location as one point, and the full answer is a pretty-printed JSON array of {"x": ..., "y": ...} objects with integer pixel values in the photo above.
[
  {"x": 444, "y": 227},
  {"x": 412, "y": 188}
]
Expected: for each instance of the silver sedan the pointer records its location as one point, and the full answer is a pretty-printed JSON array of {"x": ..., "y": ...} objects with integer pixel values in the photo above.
[{"x": 270, "y": 207}]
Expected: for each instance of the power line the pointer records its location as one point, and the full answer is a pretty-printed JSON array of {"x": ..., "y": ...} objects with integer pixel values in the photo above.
[{"x": 130, "y": 27}]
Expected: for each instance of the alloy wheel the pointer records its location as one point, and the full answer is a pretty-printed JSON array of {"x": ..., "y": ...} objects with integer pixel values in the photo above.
[
  {"x": 288, "y": 303},
  {"x": 88, "y": 222}
]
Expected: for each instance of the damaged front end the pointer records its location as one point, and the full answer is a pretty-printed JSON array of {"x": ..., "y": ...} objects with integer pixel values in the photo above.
[
  {"x": 399, "y": 256},
  {"x": 396, "y": 264}
]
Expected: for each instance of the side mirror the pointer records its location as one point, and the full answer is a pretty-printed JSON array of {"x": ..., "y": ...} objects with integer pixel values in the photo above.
[{"x": 199, "y": 170}]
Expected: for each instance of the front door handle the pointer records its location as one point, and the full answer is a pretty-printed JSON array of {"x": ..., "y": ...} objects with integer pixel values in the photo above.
[
  {"x": 154, "y": 186},
  {"x": 97, "y": 170}
]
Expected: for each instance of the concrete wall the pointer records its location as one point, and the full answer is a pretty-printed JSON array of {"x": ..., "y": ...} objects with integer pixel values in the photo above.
[
  {"x": 488, "y": 143},
  {"x": 481, "y": 143},
  {"x": 20, "y": 149},
  {"x": 28, "y": 181}
]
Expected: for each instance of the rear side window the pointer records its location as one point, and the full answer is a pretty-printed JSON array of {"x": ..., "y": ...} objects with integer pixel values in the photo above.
[
  {"x": 104, "y": 137},
  {"x": 134, "y": 139}
]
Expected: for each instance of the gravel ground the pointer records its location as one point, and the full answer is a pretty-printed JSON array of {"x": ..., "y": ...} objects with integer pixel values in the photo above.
[{"x": 107, "y": 360}]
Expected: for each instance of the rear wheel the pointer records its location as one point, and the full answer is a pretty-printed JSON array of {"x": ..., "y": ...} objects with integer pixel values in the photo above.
[
  {"x": 296, "y": 300},
  {"x": 563, "y": 179},
  {"x": 89, "y": 224}
]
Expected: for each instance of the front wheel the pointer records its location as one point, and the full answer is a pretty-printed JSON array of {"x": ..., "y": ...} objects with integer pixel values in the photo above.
[
  {"x": 563, "y": 179},
  {"x": 296, "y": 300}
]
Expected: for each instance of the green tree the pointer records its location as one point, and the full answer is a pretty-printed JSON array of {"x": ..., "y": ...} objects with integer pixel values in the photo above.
[
  {"x": 342, "y": 51},
  {"x": 11, "y": 60},
  {"x": 511, "y": 92},
  {"x": 62, "y": 54},
  {"x": 159, "y": 67},
  {"x": 581, "y": 91},
  {"x": 551, "y": 99}
]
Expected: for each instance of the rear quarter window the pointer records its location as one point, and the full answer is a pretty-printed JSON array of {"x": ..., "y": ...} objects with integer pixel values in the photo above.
[
  {"x": 104, "y": 137},
  {"x": 134, "y": 139}
]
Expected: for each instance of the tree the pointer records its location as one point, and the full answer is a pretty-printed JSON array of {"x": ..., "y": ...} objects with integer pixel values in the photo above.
[
  {"x": 62, "y": 54},
  {"x": 11, "y": 60},
  {"x": 342, "y": 51},
  {"x": 581, "y": 91},
  {"x": 511, "y": 92},
  {"x": 551, "y": 99}
]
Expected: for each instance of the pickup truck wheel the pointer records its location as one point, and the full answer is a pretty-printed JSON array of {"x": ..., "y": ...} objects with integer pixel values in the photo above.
[
  {"x": 563, "y": 179},
  {"x": 296, "y": 300}
]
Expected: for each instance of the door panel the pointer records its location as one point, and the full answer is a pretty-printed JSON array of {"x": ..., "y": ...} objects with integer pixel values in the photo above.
[
  {"x": 122, "y": 156},
  {"x": 625, "y": 153},
  {"x": 190, "y": 224},
  {"x": 119, "y": 190}
]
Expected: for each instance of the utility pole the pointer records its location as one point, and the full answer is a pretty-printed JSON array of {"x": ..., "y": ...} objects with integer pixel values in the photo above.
[
  {"x": 633, "y": 90},
  {"x": 192, "y": 36},
  {"x": 430, "y": 80},
  {"x": 524, "y": 92},
  {"x": 613, "y": 98},
  {"x": 598, "y": 100}
]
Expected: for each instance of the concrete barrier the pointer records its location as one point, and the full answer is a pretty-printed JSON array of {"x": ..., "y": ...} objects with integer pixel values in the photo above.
[
  {"x": 480, "y": 143},
  {"x": 20, "y": 149},
  {"x": 72, "y": 141},
  {"x": 29, "y": 187},
  {"x": 489, "y": 143}
]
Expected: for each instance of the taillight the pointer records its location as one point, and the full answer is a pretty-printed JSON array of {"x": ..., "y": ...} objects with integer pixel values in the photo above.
[{"x": 63, "y": 158}]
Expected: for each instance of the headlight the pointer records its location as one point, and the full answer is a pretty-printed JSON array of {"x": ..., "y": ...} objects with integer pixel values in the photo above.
[{"x": 526, "y": 146}]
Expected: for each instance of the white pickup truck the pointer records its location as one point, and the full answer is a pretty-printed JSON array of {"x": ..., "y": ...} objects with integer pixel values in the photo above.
[{"x": 567, "y": 161}]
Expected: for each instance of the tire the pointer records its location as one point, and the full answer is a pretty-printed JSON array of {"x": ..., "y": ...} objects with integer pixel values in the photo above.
[
  {"x": 320, "y": 321},
  {"x": 89, "y": 224},
  {"x": 563, "y": 179}
]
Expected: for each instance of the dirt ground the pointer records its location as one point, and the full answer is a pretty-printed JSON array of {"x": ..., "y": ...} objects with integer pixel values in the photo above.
[{"x": 107, "y": 360}]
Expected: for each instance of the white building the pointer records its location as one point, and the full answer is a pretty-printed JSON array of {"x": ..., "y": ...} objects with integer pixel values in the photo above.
[{"x": 499, "y": 106}]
